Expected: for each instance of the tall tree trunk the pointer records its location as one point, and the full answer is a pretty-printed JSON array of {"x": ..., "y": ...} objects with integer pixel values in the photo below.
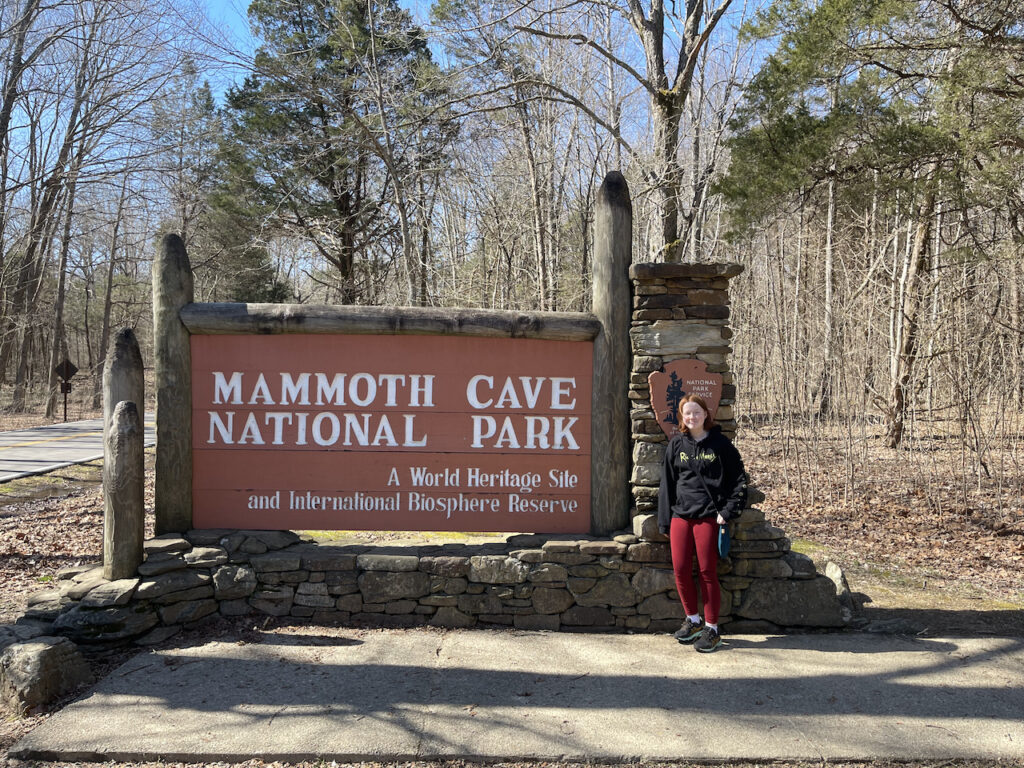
[
  {"x": 59, "y": 347},
  {"x": 666, "y": 121},
  {"x": 905, "y": 353},
  {"x": 101, "y": 351},
  {"x": 537, "y": 207},
  {"x": 41, "y": 229},
  {"x": 15, "y": 67},
  {"x": 826, "y": 381},
  {"x": 1017, "y": 328}
]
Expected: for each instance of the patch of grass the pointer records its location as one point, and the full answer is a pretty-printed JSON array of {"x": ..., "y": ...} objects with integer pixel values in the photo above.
[{"x": 810, "y": 548}]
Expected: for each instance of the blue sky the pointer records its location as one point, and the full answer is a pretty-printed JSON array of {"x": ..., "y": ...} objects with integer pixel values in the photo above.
[{"x": 230, "y": 13}]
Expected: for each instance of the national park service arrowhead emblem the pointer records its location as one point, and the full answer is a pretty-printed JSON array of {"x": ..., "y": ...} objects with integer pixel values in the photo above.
[{"x": 675, "y": 381}]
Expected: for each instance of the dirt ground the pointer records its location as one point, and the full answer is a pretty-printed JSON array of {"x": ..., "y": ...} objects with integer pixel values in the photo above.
[{"x": 917, "y": 566}]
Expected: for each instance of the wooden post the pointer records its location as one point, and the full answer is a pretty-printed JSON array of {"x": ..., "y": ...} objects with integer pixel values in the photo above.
[
  {"x": 611, "y": 458},
  {"x": 123, "y": 378},
  {"x": 124, "y": 509},
  {"x": 172, "y": 290}
]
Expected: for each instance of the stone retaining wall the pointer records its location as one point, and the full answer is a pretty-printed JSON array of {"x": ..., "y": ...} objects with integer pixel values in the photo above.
[{"x": 623, "y": 583}]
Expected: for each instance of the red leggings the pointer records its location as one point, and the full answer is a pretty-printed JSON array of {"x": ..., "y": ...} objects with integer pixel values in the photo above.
[{"x": 684, "y": 537}]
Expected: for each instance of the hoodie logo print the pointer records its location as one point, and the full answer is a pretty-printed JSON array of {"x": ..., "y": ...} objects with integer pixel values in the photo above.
[{"x": 702, "y": 455}]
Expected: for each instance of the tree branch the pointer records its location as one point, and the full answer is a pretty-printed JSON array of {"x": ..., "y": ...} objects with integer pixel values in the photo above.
[{"x": 579, "y": 39}]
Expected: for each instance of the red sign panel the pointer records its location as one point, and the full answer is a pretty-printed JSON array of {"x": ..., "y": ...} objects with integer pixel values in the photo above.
[{"x": 430, "y": 433}]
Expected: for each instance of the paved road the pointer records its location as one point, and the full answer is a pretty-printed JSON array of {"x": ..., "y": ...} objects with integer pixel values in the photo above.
[
  {"x": 40, "y": 450},
  {"x": 423, "y": 694}
]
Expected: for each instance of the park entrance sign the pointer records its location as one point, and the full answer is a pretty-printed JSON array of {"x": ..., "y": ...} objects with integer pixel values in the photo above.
[
  {"x": 298, "y": 417},
  {"x": 340, "y": 431}
]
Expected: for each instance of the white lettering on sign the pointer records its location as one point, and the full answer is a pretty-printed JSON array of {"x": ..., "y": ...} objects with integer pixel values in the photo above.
[
  {"x": 529, "y": 387},
  {"x": 326, "y": 429},
  {"x": 534, "y": 430},
  {"x": 362, "y": 389},
  {"x": 388, "y": 390}
]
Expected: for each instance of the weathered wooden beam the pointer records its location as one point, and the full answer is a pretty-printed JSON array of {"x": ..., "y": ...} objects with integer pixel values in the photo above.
[
  {"x": 227, "y": 318},
  {"x": 124, "y": 510},
  {"x": 612, "y": 303},
  {"x": 172, "y": 290},
  {"x": 123, "y": 377}
]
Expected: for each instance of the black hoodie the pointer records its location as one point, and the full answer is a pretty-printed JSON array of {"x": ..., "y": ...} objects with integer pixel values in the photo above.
[{"x": 682, "y": 494}]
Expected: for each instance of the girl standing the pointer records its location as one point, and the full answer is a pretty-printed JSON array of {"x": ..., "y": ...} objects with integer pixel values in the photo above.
[{"x": 703, "y": 485}]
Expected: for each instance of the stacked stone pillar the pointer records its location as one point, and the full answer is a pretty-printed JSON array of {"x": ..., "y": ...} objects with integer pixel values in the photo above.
[{"x": 680, "y": 311}]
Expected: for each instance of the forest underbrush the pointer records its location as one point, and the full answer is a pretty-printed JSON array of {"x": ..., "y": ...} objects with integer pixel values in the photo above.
[{"x": 927, "y": 515}]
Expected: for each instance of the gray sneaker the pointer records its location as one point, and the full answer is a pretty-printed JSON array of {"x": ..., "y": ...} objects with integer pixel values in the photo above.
[
  {"x": 688, "y": 632},
  {"x": 708, "y": 641}
]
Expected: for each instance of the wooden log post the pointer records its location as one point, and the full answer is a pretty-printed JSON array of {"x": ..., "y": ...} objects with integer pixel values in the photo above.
[
  {"x": 124, "y": 510},
  {"x": 123, "y": 378},
  {"x": 172, "y": 290},
  {"x": 610, "y": 458}
]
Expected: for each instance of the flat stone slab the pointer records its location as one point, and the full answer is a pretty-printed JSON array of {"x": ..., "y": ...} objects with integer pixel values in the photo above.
[{"x": 508, "y": 695}]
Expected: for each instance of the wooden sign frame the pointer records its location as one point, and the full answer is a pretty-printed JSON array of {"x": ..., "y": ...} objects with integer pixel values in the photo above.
[{"x": 605, "y": 332}]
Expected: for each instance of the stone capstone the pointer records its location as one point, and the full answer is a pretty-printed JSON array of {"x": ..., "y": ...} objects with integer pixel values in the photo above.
[
  {"x": 251, "y": 546},
  {"x": 161, "y": 562},
  {"x": 76, "y": 590},
  {"x": 793, "y": 603},
  {"x": 645, "y": 527},
  {"x": 774, "y": 568},
  {"x": 388, "y": 563},
  {"x": 668, "y": 337},
  {"x": 803, "y": 566},
  {"x": 208, "y": 536},
  {"x": 317, "y": 558},
  {"x": 110, "y": 593},
  {"x": 168, "y": 542},
  {"x": 274, "y": 539},
  {"x": 602, "y": 548},
  {"x": 649, "y": 552},
  {"x": 276, "y": 562},
  {"x": 97, "y": 625},
  {"x": 36, "y": 672},
  {"x": 175, "y": 581},
  {"x": 206, "y": 557},
  {"x": 449, "y": 567}
]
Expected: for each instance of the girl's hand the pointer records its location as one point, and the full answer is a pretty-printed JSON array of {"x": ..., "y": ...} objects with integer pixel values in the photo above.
[{"x": 721, "y": 520}]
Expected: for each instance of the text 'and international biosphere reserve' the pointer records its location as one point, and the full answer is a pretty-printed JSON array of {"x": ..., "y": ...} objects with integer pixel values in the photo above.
[{"x": 391, "y": 432}]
